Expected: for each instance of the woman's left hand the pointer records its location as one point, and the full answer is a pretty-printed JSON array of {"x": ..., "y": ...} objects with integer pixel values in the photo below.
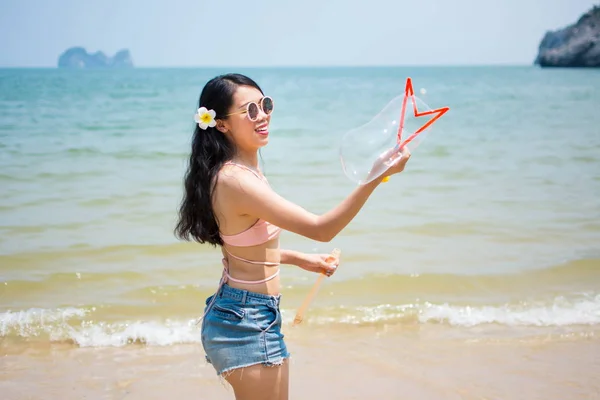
[{"x": 318, "y": 263}]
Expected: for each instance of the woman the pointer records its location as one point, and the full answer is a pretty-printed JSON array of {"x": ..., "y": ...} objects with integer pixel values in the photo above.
[{"x": 228, "y": 202}]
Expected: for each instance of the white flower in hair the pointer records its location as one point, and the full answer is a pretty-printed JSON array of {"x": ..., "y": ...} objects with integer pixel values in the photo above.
[{"x": 205, "y": 118}]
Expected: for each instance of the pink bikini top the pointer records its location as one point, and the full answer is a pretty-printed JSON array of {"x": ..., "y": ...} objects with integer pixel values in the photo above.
[{"x": 259, "y": 233}]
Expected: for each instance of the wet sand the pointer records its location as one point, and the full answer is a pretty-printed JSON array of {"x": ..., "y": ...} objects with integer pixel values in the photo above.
[{"x": 358, "y": 365}]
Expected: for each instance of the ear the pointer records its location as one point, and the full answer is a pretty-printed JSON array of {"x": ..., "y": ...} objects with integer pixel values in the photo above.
[{"x": 222, "y": 126}]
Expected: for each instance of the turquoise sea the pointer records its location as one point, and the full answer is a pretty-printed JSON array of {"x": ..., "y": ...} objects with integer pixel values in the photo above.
[{"x": 493, "y": 229}]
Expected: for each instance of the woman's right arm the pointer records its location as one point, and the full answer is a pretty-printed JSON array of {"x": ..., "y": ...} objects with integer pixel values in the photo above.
[{"x": 256, "y": 198}]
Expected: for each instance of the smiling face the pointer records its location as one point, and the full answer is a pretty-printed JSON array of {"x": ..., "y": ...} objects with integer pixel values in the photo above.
[{"x": 246, "y": 134}]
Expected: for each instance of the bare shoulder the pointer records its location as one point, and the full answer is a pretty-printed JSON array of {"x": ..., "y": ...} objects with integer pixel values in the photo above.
[
  {"x": 236, "y": 186},
  {"x": 235, "y": 180}
]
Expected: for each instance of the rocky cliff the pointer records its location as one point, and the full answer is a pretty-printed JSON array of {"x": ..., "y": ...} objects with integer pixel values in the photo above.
[
  {"x": 78, "y": 57},
  {"x": 577, "y": 45}
]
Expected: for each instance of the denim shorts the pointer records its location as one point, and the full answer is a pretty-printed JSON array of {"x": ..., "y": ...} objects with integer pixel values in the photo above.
[{"x": 242, "y": 328}]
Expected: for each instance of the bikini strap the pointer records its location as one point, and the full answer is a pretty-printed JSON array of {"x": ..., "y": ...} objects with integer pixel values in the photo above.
[
  {"x": 262, "y": 177},
  {"x": 267, "y": 263},
  {"x": 230, "y": 278}
]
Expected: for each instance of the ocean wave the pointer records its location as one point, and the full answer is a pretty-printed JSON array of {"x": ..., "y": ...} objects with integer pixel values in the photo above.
[
  {"x": 79, "y": 327},
  {"x": 71, "y": 326},
  {"x": 562, "y": 311}
]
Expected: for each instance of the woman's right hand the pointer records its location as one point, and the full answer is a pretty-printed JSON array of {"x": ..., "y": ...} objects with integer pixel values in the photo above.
[
  {"x": 394, "y": 159},
  {"x": 399, "y": 164}
]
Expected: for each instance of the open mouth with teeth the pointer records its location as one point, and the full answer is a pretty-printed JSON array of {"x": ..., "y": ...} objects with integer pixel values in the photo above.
[{"x": 263, "y": 130}]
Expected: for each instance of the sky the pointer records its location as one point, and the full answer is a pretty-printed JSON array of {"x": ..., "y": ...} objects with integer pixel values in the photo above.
[{"x": 246, "y": 33}]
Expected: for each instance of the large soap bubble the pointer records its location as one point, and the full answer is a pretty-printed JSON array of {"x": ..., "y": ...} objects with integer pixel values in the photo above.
[{"x": 368, "y": 151}]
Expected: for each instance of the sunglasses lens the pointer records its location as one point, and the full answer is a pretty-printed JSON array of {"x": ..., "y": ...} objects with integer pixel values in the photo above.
[
  {"x": 252, "y": 111},
  {"x": 267, "y": 105}
]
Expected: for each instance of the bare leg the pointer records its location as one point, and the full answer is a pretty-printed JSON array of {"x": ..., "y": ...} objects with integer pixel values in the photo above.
[{"x": 259, "y": 382}]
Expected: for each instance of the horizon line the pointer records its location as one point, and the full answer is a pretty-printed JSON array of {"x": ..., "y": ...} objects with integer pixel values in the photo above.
[{"x": 277, "y": 66}]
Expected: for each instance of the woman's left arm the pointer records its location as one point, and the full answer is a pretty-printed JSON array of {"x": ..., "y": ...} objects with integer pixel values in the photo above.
[
  {"x": 290, "y": 257},
  {"x": 310, "y": 262}
]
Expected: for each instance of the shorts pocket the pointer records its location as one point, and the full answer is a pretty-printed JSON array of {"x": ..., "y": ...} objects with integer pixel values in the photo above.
[
  {"x": 266, "y": 317},
  {"x": 209, "y": 299},
  {"x": 228, "y": 311}
]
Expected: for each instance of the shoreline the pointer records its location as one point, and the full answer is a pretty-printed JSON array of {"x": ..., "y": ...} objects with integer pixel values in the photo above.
[{"x": 379, "y": 363}]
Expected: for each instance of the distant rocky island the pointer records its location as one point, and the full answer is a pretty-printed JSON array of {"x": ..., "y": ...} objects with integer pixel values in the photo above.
[
  {"x": 79, "y": 58},
  {"x": 577, "y": 45}
]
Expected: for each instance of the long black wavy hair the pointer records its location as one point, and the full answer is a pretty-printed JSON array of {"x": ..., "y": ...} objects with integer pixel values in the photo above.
[{"x": 210, "y": 150}]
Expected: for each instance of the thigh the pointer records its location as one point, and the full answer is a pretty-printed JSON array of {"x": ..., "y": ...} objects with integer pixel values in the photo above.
[{"x": 260, "y": 382}]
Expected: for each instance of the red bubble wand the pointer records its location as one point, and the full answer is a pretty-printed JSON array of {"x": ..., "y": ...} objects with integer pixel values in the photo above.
[{"x": 409, "y": 94}]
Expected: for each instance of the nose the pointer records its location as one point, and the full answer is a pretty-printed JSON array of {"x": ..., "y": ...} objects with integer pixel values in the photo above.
[{"x": 261, "y": 115}]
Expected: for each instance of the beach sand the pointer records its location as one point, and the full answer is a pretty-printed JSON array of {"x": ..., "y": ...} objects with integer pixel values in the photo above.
[{"x": 361, "y": 363}]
